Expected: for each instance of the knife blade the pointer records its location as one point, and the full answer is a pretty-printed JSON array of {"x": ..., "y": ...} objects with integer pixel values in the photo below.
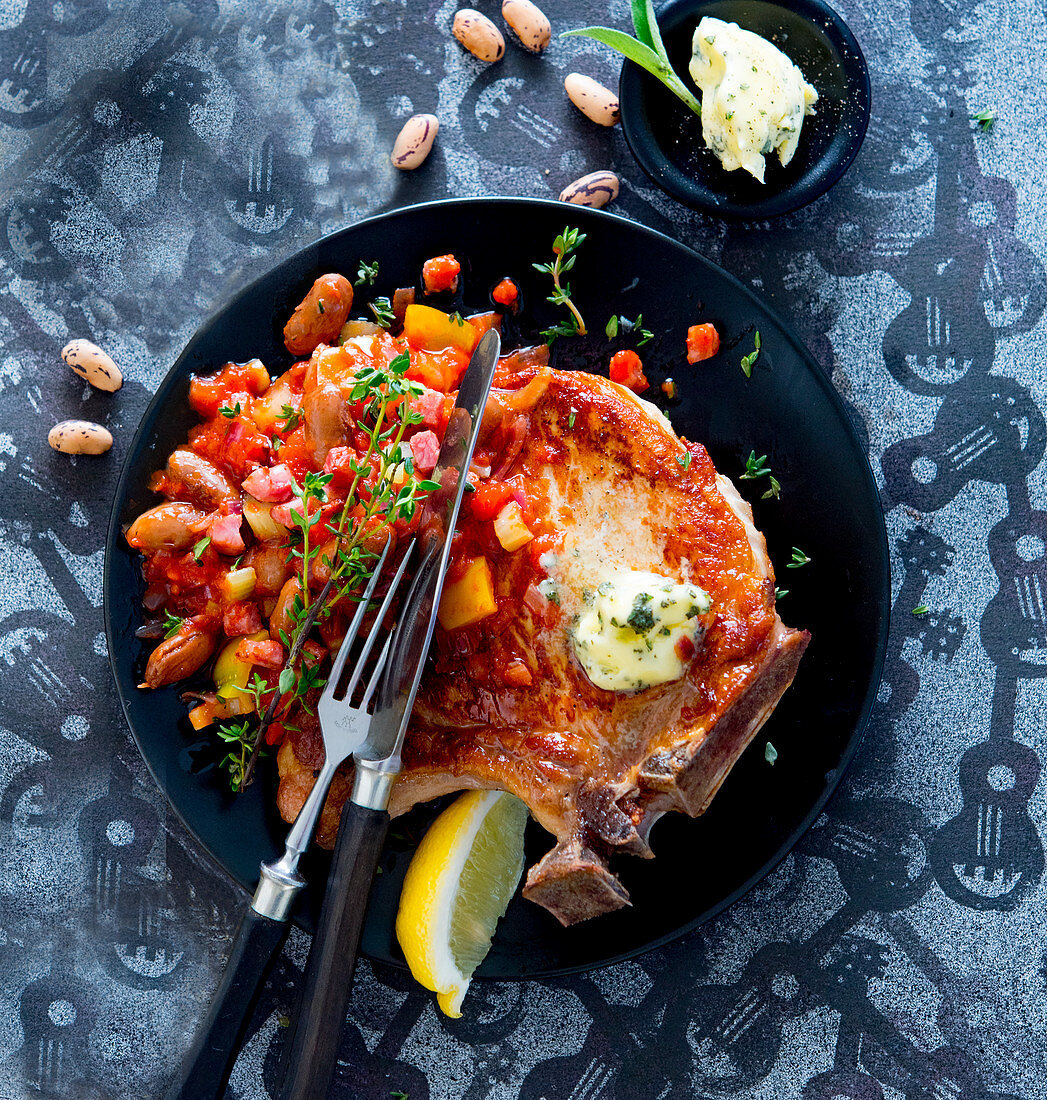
[
  {"x": 380, "y": 752},
  {"x": 317, "y": 1025}
]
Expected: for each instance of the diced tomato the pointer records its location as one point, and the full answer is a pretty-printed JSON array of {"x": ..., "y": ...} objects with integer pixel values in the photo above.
[
  {"x": 272, "y": 485},
  {"x": 440, "y": 273},
  {"x": 627, "y": 370},
  {"x": 236, "y": 444},
  {"x": 703, "y": 342},
  {"x": 489, "y": 499},
  {"x": 506, "y": 293},
  {"x": 268, "y": 654},
  {"x": 439, "y": 370},
  {"x": 275, "y": 733},
  {"x": 425, "y": 447},
  {"x": 339, "y": 465},
  {"x": 241, "y": 618},
  {"x": 208, "y": 394}
]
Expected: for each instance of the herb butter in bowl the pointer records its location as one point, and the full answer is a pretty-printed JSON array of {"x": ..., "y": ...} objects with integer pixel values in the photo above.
[{"x": 784, "y": 90}]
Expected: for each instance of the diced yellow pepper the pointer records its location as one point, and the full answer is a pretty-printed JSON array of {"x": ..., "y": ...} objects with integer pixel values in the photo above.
[
  {"x": 510, "y": 528},
  {"x": 470, "y": 598},
  {"x": 230, "y": 673},
  {"x": 430, "y": 329},
  {"x": 238, "y": 584}
]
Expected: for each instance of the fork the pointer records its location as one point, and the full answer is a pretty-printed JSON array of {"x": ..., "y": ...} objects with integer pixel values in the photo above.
[{"x": 206, "y": 1067}]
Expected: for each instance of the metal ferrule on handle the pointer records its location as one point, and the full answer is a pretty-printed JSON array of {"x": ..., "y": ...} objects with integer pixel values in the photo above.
[{"x": 372, "y": 785}]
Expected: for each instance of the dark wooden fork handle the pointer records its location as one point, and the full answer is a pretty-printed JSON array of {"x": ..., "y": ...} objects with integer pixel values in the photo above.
[
  {"x": 317, "y": 1025},
  {"x": 206, "y": 1068}
]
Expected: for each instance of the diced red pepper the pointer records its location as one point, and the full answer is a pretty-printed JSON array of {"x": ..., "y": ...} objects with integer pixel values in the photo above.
[
  {"x": 627, "y": 370},
  {"x": 684, "y": 648},
  {"x": 440, "y": 273},
  {"x": 506, "y": 293},
  {"x": 703, "y": 342}
]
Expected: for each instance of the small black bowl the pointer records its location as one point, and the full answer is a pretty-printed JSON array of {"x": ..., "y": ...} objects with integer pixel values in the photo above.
[{"x": 666, "y": 137}]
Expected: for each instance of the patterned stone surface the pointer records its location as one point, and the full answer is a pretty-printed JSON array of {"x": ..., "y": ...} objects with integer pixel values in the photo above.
[{"x": 153, "y": 156}]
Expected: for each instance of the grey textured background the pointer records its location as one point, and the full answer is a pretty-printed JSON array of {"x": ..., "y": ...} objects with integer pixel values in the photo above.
[{"x": 891, "y": 955}]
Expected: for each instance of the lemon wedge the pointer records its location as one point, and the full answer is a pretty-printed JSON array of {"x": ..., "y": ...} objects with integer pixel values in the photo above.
[{"x": 457, "y": 888}]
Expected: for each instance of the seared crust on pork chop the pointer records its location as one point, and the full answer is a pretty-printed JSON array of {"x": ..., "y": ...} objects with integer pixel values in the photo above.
[{"x": 505, "y": 704}]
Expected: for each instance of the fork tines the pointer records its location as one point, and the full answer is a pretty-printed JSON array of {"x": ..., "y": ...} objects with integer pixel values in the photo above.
[{"x": 331, "y": 691}]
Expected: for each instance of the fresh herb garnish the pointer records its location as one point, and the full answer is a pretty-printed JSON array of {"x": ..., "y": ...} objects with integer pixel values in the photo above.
[
  {"x": 291, "y": 417},
  {"x": 240, "y": 738},
  {"x": 646, "y": 49},
  {"x": 799, "y": 559},
  {"x": 229, "y": 411},
  {"x": 372, "y": 504},
  {"x": 619, "y": 323},
  {"x": 921, "y": 610},
  {"x": 684, "y": 460},
  {"x": 201, "y": 546},
  {"x": 774, "y": 489},
  {"x": 985, "y": 119},
  {"x": 565, "y": 247},
  {"x": 172, "y": 624},
  {"x": 320, "y": 305},
  {"x": 780, "y": 592},
  {"x": 748, "y": 360},
  {"x": 770, "y": 753},
  {"x": 755, "y": 467},
  {"x": 382, "y": 309},
  {"x": 641, "y": 617},
  {"x": 570, "y": 419},
  {"x": 366, "y": 273}
]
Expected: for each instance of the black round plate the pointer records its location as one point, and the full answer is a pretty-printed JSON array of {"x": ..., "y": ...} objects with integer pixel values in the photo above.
[
  {"x": 666, "y": 137},
  {"x": 829, "y": 507}
]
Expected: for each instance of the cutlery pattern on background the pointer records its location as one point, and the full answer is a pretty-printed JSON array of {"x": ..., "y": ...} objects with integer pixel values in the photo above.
[{"x": 897, "y": 953}]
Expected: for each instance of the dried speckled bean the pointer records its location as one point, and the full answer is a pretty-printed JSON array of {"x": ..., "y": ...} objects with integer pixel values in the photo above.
[
  {"x": 529, "y": 23},
  {"x": 591, "y": 98},
  {"x": 415, "y": 141},
  {"x": 79, "y": 437},
  {"x": 92, "y": 364},
  {"x": 596, "y": 189},
  {"x": 478, "y": 34}
]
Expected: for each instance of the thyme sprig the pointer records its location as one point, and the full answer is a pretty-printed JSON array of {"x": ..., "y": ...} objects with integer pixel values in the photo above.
[
  {"x": 383, "y": 490},
  {"x": 565, "y": 247}
]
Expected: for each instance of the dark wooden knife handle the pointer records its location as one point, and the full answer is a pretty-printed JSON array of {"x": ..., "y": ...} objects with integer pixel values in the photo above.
[
  {"x": 317, "y": 1025},
  {"x": 206, "y": 1068}
]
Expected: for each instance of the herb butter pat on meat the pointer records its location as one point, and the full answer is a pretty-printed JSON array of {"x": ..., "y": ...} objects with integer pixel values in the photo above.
[
  {"x": 638, "y": 629},
  {"x": 754, "y": 98}
]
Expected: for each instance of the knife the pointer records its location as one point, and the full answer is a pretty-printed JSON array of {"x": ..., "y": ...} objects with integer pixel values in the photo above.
[{"x": 320, "y": 1017}]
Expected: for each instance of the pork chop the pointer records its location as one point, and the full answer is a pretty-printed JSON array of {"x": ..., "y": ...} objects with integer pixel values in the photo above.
[{"x": 505, "y": 702}]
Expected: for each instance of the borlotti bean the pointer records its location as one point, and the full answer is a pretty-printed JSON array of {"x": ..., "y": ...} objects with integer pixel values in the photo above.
[
  {"x": 91, "y": 363},
  {"x": 415, "y": 141},
  {"x": 478, "y": 34},
  {"x": 529, "y": 23},
  {"x": 79, "y": 437},
  {"x": 596, "y": 189},
  {"x": 591, "y": 98}
]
